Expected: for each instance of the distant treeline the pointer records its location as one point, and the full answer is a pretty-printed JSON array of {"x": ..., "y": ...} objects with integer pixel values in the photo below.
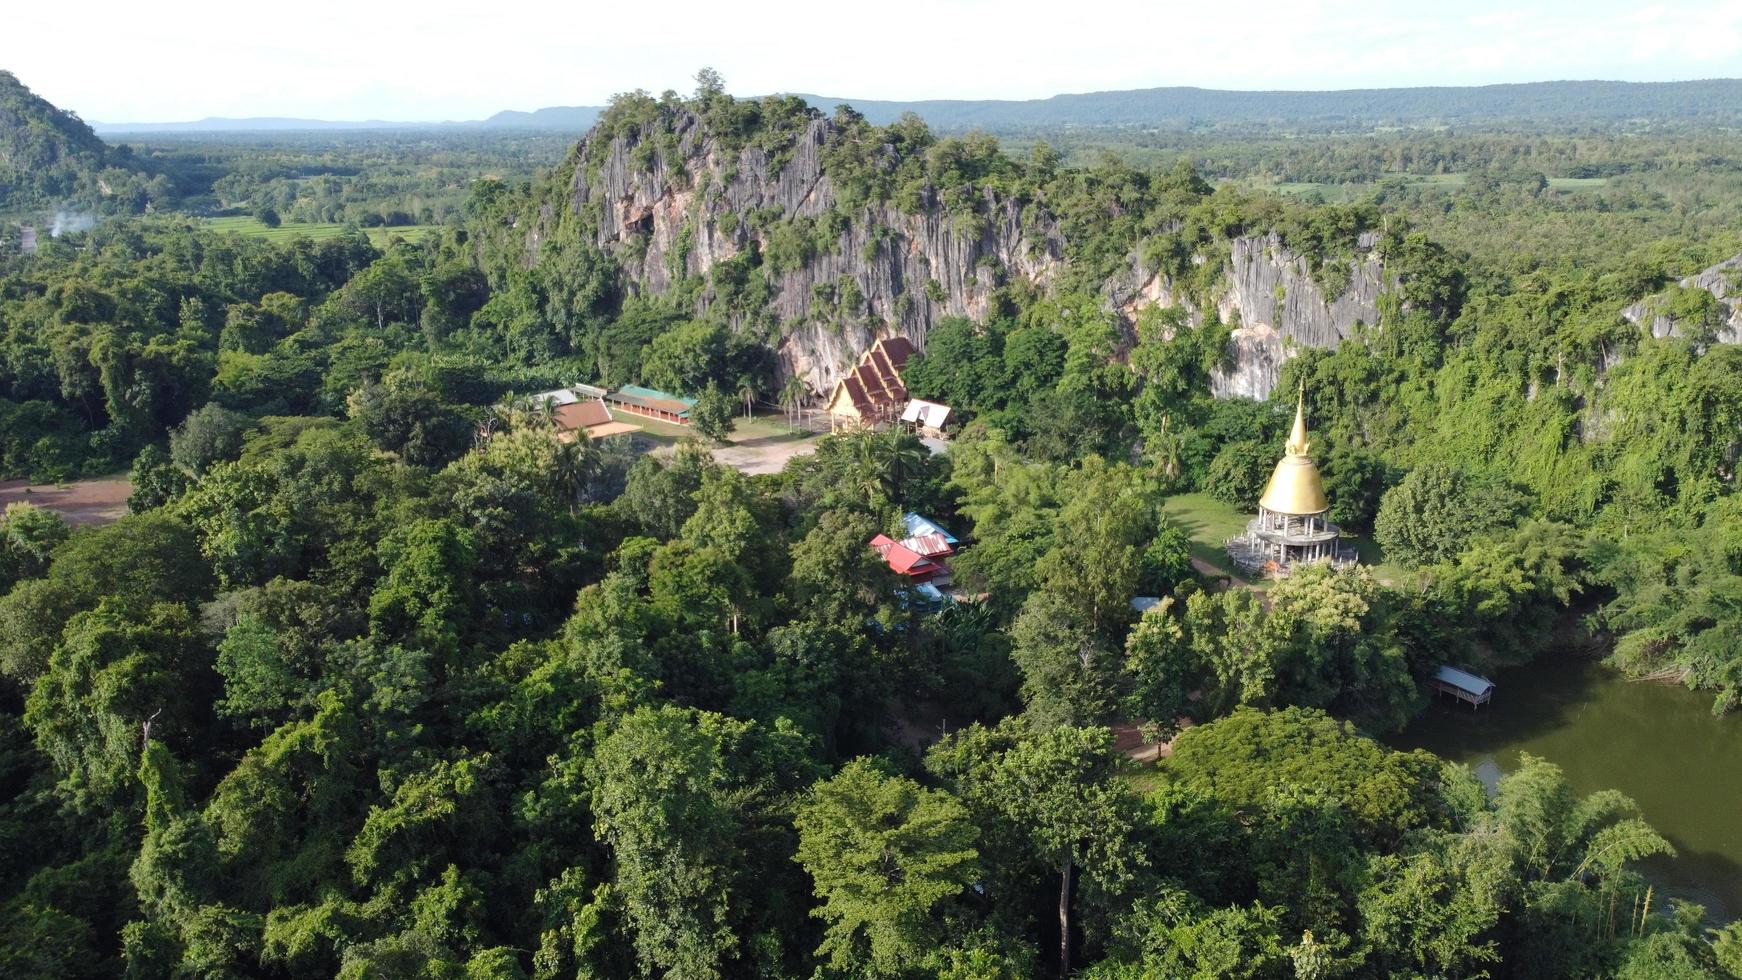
[{"x": 1540, "y": 104}]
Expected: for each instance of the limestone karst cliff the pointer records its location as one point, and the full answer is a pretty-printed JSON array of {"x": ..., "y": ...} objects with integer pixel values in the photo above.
[
  {"x": 884, "y": 272},
  {"x": 678, "y": 203},
  {"x": 1269, "y": 291},
  {"x": 1723, "y": 281}
]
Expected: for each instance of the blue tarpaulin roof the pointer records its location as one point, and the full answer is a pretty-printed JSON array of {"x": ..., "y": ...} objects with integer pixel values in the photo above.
[
  {"x": 918, "y": 525},
  {"x": 1463, "y": 680}
]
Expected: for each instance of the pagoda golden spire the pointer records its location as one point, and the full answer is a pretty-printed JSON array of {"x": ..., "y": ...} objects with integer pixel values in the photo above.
[
  {"x": 1295, "y": 486},
  {"x": 1297, "y": 439}
]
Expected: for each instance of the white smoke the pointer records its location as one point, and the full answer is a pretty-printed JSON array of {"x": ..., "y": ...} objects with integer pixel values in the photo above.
[{"x": 69, "y": 222}]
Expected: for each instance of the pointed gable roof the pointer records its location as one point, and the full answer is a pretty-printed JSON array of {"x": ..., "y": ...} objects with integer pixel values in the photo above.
[
  {"x": 874, "y": 386},
  {"x": 902, "y": 559}
]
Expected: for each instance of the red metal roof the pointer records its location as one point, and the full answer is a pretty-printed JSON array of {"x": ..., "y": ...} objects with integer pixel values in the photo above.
[
  {"x": 581, "y": 415},
  {"x": 904, "y": 560}
]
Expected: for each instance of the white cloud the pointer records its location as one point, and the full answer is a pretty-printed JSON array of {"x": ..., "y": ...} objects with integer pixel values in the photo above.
[{"x": 122, "y": 60}]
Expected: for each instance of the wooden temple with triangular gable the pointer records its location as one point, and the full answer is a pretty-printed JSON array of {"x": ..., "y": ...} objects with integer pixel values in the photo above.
[
  {"x": 1291, "y": 528},
  {"x": 872, "y": 393}
]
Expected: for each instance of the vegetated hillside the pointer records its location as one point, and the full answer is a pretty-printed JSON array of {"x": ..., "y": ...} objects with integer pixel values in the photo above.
[
  {"x": 50, "y": 158},
  {"x": 1706, "y": 306},
  {"x": 1538, "y": 104},
  {"x": 358, "y": 694},
  {"x": 572, "y": 118},
  {"x": 818, "y": 234}
]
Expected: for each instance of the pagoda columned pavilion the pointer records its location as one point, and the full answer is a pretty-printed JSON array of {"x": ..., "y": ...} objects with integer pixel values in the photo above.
[{"x": 1291, "y": 528}]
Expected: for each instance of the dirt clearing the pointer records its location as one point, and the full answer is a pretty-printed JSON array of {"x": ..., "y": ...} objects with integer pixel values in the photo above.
[{"x": 83, "y": 503}]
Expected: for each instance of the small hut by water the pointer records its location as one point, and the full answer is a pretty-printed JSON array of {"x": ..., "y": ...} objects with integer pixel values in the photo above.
[{"x": 1469, "y": 688}]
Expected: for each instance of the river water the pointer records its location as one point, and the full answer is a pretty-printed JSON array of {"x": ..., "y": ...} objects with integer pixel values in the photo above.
[{"x": 1658, "y": 743}]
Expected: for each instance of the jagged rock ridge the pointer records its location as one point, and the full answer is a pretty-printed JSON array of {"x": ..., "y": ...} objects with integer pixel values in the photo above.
[
  {"x": 686, "y": 211},
  {"x": 1723, "y": 281},
  {"x": 909, "y": 269},
  {"x": 1269, "y": 290}
]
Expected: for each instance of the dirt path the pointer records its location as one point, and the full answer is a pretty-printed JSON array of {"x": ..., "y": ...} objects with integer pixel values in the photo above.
[
  {"x": 757, "y": 454},
  {"x": 83, "y": 503}
]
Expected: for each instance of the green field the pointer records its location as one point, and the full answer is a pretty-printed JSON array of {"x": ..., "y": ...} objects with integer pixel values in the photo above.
[
  {"x": 765, "y": 427},
  {"x": 248, "y": 225},
  {"x": 1209, "y": 523},
  {"x": 1343, "y": 193},
  {"x": 664, "y": 433}
]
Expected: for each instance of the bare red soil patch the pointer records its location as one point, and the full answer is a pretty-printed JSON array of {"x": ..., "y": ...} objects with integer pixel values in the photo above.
[{"x": 83, "y": 503}]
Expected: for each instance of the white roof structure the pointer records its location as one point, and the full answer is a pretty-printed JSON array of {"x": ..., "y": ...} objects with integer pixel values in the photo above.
[
  {"x": 559, "y": 397},
  {"x": 929, "y": 414},
  {"x": 1463, "y": 680},
  {"x": 1144, "y": 603}
]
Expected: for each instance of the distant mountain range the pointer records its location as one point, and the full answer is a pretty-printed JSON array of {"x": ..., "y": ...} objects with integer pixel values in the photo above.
[
  {"x": 576, "y": 119},
  {"x": 1567, "y": 103},
  {"x": 1716, "y": 101}
]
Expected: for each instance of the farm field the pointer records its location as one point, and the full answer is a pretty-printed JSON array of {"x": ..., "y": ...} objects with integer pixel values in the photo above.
[{"x": 249, "y": 225}]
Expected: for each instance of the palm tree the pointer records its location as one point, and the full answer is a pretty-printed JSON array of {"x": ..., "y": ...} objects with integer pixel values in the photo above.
[
  {"x": 883, "y": 461},
  {"x": 1165, "y": 450},
  {"x": 792, "y": 398},
  {"x": 747, "y": 389}
]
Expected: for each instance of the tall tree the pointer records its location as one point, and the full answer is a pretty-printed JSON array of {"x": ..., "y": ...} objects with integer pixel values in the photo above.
[
  {"x": 661, "y": 801},
  {"x": 884, "y": 853},
  {"x": 1052, "y": 799}
]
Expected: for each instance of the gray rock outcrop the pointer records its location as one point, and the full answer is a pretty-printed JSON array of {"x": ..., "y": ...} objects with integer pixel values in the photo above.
[
  {"x": 1723, "y": 281},
  {"x": 691, "y": 201},
  {"x": 908, "y": 269},
  {"x": 1269, "y": 291}
]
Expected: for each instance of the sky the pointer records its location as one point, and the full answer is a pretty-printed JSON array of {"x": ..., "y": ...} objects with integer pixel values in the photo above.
[{"x": 175, "y": 60}]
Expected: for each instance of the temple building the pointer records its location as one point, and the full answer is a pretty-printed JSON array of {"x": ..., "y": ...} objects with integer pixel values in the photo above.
[
  {"x": 1291, "y": 528},
  {"x": 873, "y": 393}
]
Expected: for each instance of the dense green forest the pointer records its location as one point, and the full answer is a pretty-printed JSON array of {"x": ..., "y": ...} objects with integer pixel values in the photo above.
[{"x": 355, "y": 691}]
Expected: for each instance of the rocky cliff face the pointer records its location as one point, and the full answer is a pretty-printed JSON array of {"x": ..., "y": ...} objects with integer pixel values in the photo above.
[
  {"x": 1723, "y": 281},
  {"x": 887, "y": 272},
  {"x": 1270, "y": 292},
  {"x": 690, "y": 202}
]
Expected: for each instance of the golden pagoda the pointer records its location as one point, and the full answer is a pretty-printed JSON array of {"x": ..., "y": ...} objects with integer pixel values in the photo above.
[{"x": 1291, "y": 527}]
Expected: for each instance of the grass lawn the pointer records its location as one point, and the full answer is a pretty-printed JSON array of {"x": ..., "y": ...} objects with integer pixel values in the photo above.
[
  {"x": 767, "y": 427},
  {"x": 665, "y": 433},
  {"x": 1209, "y": 523},
  {"x": 248, "y": 225},
  {"x": 1373, "y": 556}
]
